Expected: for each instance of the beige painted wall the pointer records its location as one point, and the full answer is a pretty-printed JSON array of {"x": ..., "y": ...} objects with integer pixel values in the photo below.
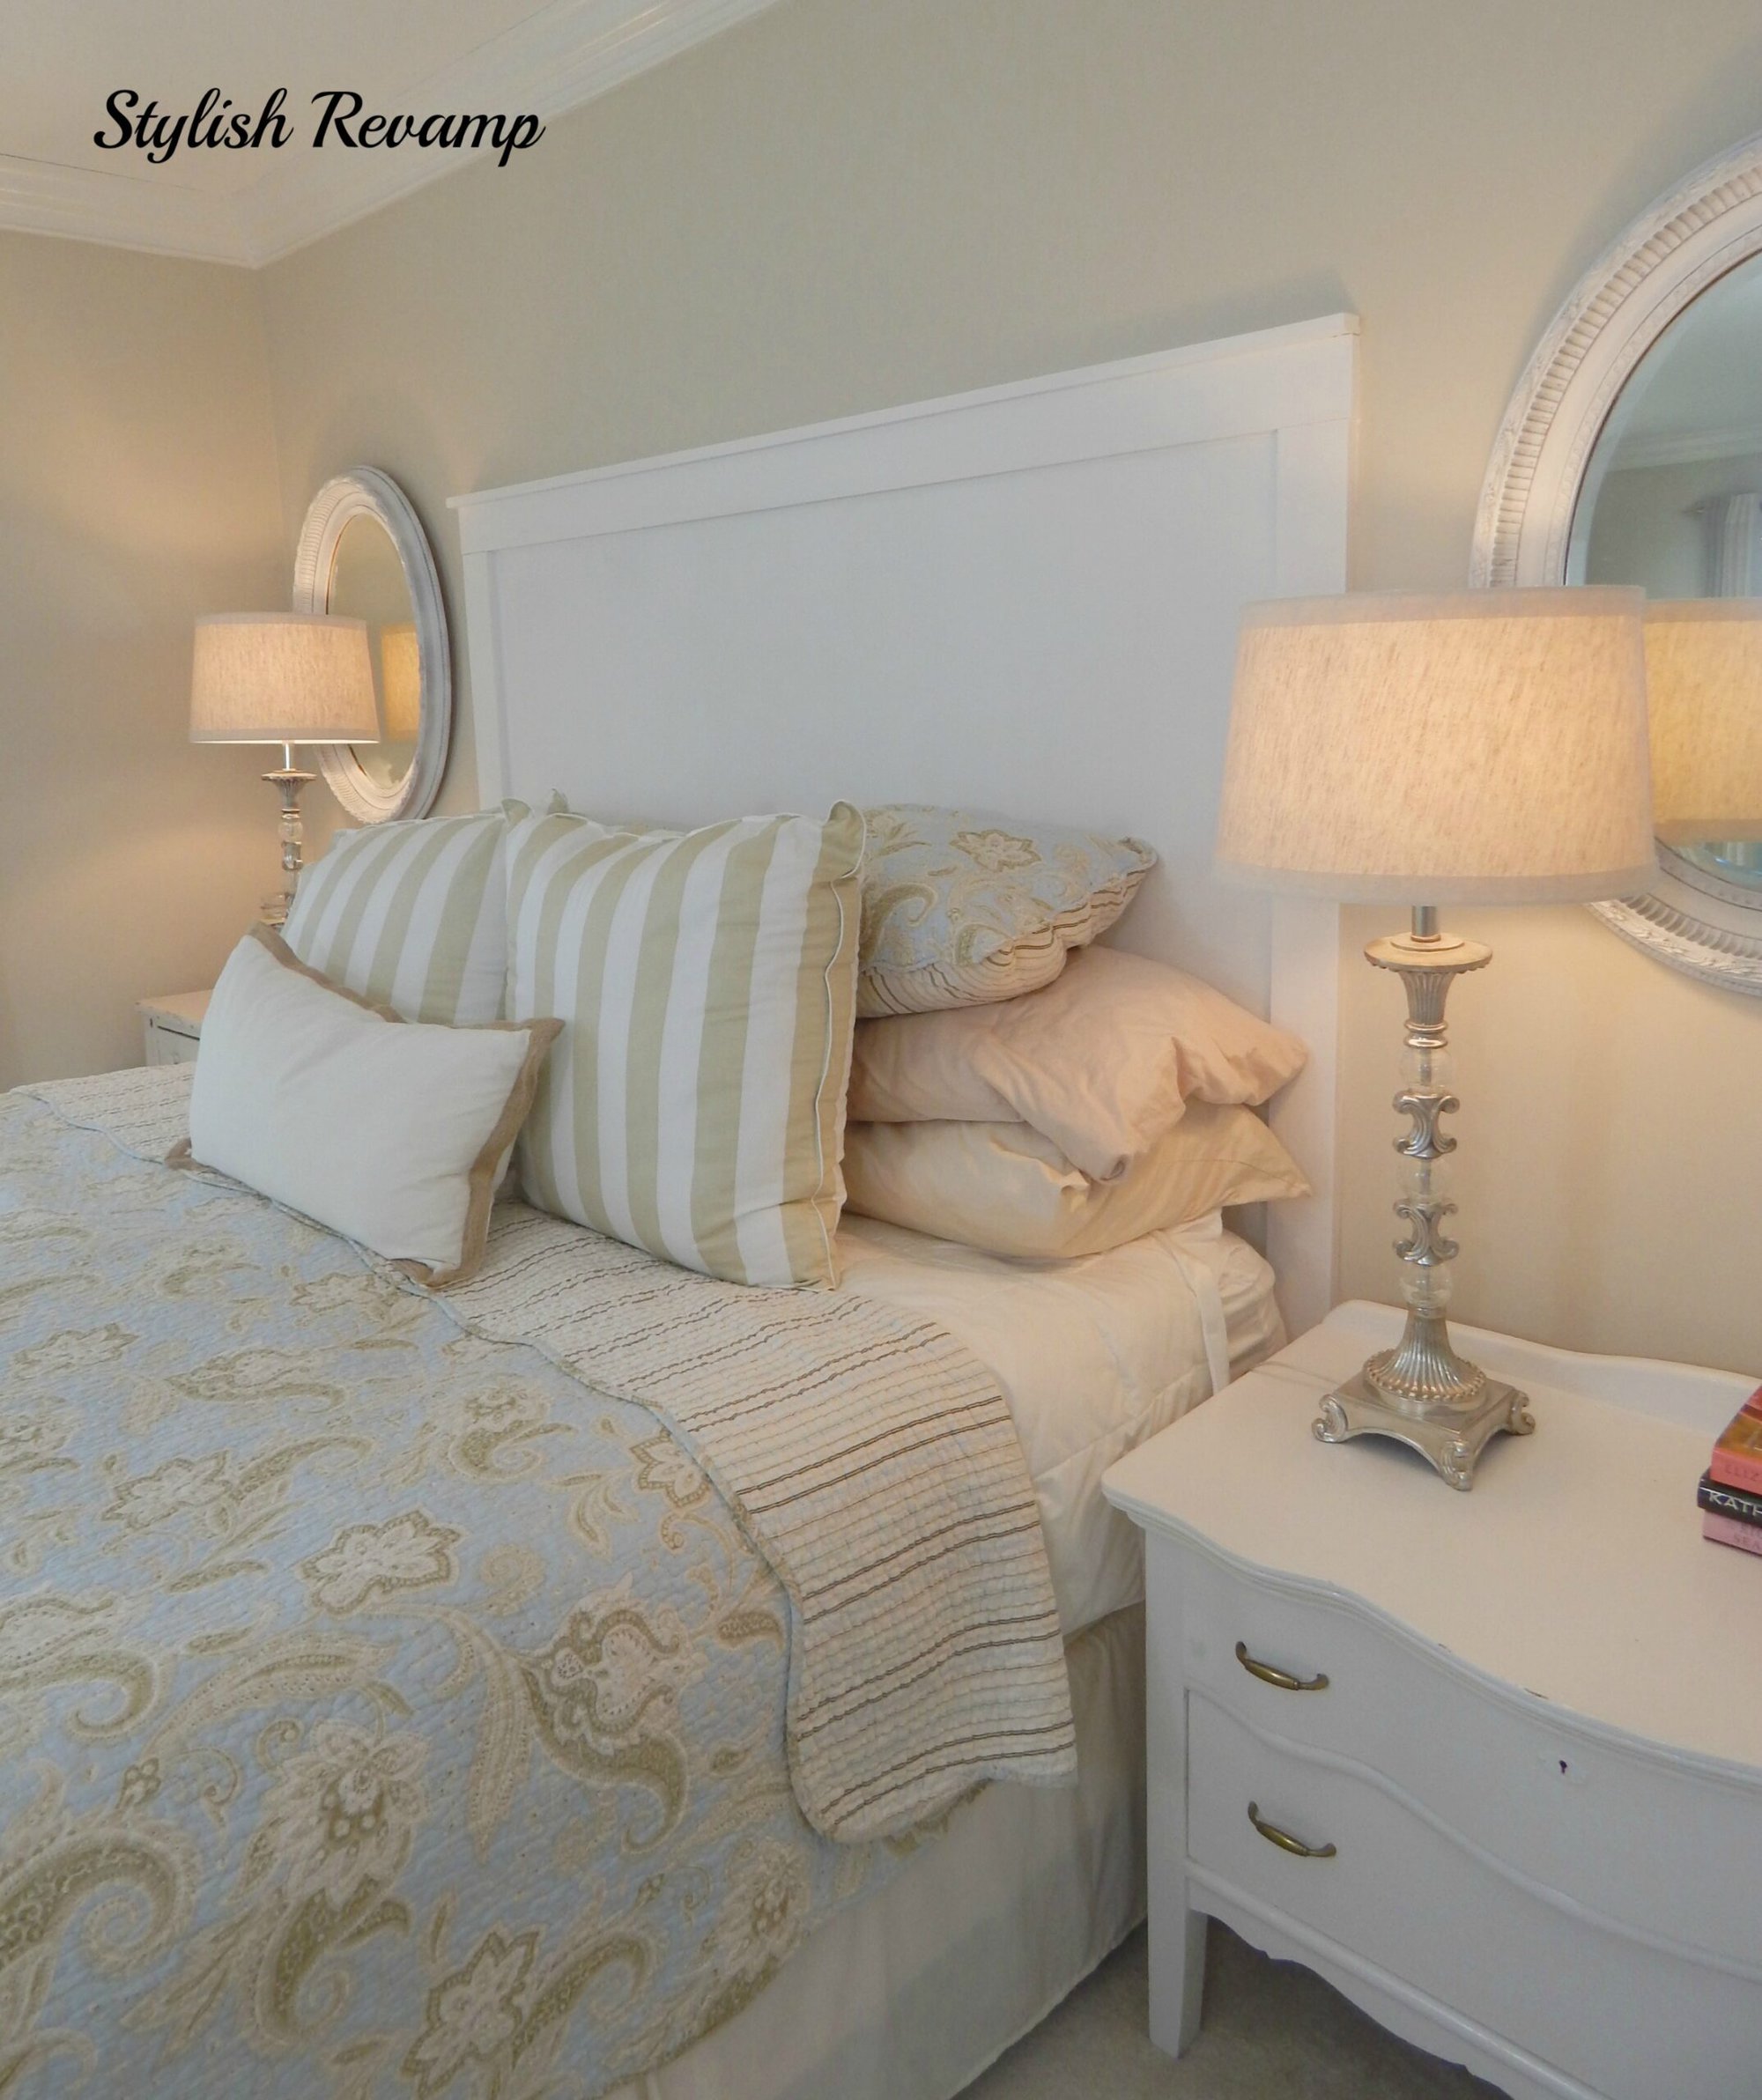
[
  {"x": 845, "y": 204},
  {"x": 137, "y": 488}
]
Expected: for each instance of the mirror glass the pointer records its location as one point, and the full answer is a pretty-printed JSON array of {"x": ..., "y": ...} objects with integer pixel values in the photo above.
[
  {"x": 367, "y": 583},
  {"x": 1672, "y": 497}
]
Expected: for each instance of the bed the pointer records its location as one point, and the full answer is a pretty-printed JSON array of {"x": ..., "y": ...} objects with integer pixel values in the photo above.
[
  {"x": 391, "y": 1702},
  {"x": 913, "y": 1992}
]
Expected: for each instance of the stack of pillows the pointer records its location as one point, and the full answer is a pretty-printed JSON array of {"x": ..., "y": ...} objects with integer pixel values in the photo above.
[
  {"x": 668, "y": 1023},
  {"x": 1028, "y": 1093}
]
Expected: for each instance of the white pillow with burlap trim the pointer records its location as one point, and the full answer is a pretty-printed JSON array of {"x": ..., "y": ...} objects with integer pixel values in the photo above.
[{"x": 392, "y": 1133}]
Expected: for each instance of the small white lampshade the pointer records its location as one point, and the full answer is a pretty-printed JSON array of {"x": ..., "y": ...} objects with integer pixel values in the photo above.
[
  {"x": 401, "y": 682},
  {"x": 1484, "y": 746},
  {"x": 281, "y": 677},
  {"x": 1704, "y": 692}
]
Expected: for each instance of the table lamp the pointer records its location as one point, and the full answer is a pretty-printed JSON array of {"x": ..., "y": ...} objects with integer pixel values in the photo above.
[
  {"x": 1485, "y": 747},
  {"x": 285, "y": 679},
  {"x": 1704, "y": 694}
]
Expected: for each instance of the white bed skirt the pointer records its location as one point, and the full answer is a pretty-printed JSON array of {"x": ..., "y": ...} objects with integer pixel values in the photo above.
[{"x": 910, "y": 1994}]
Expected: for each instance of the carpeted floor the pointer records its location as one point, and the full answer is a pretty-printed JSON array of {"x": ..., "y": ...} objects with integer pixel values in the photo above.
[{"x": 1271, "y": 2031}]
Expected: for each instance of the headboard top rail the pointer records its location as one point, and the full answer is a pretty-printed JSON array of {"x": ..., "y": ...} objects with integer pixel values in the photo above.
[{"x": 1224, "y": 388}]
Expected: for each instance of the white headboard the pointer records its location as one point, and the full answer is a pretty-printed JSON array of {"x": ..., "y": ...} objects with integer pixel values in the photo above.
[{"x": 1022, "y": 600}]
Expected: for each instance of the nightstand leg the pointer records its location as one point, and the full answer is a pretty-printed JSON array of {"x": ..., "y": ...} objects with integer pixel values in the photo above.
[
  {"x": 1177, "y": 1931},
  {"x": 1177, "y": 1970}
]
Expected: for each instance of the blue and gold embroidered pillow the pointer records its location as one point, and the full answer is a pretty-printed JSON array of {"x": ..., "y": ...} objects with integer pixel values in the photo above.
[{"x": 961, "y": 907}]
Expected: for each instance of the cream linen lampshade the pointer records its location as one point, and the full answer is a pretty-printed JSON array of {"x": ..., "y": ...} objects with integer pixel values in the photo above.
[
  {"x": 285, "y": 679},
  {"x": 401, "y": 682},
  {"x": 1483, "y": 746},
  {"x": 281, "y": 677},
  {"x": 1704, "y": 683}
]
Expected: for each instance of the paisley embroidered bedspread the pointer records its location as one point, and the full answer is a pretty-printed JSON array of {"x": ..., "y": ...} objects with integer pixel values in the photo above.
[{"x": 382, "y": 1711}]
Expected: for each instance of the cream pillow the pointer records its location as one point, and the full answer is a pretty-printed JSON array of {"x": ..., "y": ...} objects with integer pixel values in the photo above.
[
  {"x": 391, "y": 1132},
  {"x": 410, "y": 915},
  {"x": 1010, "y": 1190},
  {"x": 707, "y": 983},
  {"x": 1101, "y": 1062},
  {"x": 961, "y": 907}
]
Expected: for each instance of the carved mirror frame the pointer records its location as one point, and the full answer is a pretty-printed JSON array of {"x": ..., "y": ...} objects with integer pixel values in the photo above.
[
  {"x": 364, "y": 491},
  {"x": 1619, "y": 308}
]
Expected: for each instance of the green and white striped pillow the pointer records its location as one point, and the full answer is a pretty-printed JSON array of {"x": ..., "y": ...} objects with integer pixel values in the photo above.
[
  {"x": 412, "y": 916},
  {"x": 707, "y": 983}
]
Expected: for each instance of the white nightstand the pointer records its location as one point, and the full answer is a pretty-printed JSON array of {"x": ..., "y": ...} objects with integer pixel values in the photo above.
[
  {"x": 1505, "y": 1748},
  {"x": 171, "y": 1026}
]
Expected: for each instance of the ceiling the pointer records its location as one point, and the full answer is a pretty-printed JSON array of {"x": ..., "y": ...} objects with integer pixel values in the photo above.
[{"x": 61, "y": 59}]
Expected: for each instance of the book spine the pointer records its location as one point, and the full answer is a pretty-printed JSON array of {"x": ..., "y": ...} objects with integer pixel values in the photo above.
[
  {"x": 1738, "y": 1470},
  {"x": 1731, "y": 1531},
  {"x": 1728, "y": 1502}
]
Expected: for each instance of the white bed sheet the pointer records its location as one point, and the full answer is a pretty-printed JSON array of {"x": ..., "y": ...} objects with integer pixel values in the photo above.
[{"x": 1094, "y": 1356}]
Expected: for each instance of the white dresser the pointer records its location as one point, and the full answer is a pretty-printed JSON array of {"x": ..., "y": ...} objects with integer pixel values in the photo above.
[{"x": 1492, "y": 1763}]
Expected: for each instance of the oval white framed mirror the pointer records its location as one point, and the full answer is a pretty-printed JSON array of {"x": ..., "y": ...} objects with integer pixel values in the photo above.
[
  {"x": 1631, "y": 453},
  {"x": 363, "y": 552}
]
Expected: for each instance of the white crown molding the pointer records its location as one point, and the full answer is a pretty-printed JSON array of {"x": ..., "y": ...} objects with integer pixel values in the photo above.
[
  {"x": 77, "y": 203},
  {"x": 553, "y": 61},
  {"x": 550, "y": 63}
]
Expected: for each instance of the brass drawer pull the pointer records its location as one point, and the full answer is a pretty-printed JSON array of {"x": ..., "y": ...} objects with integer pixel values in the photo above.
[
  {"x": 1284, "y": 1839},
  {"x": 1267, "y": 1674}
]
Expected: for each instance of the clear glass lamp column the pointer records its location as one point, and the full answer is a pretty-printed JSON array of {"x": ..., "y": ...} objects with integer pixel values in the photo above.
[
  {"x": 287, "y": 779},
  {"x": 1421, "y": 1391}
]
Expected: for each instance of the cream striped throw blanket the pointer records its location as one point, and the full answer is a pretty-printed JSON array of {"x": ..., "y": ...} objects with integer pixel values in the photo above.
[
  {"x": 874, "y": 1465},
  {"x": 869, "y": 1457},
  {"x": 707, "y": 983}
]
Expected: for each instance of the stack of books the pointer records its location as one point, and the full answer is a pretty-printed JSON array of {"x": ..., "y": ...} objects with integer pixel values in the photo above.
[{"x": 1730, "y": 1493}]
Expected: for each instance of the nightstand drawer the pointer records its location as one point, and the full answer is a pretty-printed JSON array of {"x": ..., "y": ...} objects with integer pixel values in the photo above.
[
  {"x": 171, "y": 1026},
  {"x": 166, "y": 1046},
  {"x": 1633, "y": 1835},
  {"x": 1408, "y": 1894}
]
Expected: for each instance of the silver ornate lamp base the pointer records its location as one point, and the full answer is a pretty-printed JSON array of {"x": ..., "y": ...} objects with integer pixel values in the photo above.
[
  {"x": 1421, "y": 1391},
  {"x": 1451, "y": 1435},
  {"x": 288, "y": 781}
]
